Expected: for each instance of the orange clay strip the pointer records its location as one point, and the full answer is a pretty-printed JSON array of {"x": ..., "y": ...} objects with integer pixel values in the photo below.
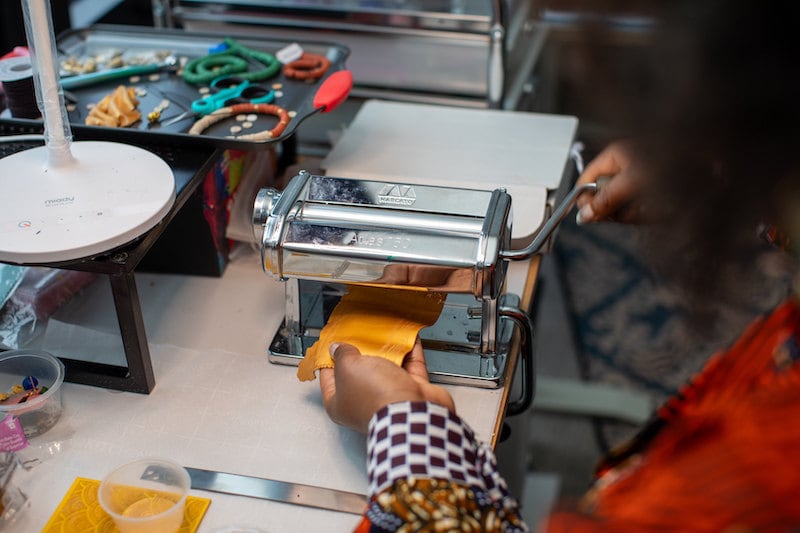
[
  {"x": 116, "y": 109},
  {"x": 308, "y": 67},
  {"x": 377, "y": 321},
  {"x": 265, "y": 109}
]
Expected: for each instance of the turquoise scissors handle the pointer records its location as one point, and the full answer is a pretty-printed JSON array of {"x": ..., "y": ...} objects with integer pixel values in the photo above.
[{"x": 217, "y": 100}]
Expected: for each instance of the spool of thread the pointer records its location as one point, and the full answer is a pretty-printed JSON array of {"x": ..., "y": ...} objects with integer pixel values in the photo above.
[{"x": 16, "y": 76}]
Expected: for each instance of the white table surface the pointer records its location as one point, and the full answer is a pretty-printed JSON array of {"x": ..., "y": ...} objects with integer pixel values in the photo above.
[{"x": 218, "y": 403}]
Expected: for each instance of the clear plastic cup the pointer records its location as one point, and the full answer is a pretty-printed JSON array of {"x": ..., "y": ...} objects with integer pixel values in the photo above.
[
  {"x": 40, "y": 413},
  {"x": 146, "y": 496}
]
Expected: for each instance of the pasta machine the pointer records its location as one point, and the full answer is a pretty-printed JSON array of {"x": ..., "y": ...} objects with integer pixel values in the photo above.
[{"x": 321, "y": 233}]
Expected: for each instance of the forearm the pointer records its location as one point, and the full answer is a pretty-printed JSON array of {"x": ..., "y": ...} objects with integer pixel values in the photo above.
[{"x": 425, "y": 466}]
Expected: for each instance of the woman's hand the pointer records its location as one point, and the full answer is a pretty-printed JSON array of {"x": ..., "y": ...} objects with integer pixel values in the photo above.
[
  {"x": 358, "y": 386},
  {"x": 620, "y": 197}
]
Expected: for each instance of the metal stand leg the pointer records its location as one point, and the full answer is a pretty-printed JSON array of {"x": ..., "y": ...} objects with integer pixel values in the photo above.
[
  {"x": 131, "y": 328},
  {"x": 138, "y": 376}
]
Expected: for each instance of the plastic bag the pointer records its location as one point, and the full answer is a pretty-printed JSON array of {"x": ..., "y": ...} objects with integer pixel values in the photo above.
[{"x": 37, "y": 294}]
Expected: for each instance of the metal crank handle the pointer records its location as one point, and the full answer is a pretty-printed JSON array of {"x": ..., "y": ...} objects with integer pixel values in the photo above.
[
  {"x": 527, "y": 360},
  {"x": 552, "y": 223}
]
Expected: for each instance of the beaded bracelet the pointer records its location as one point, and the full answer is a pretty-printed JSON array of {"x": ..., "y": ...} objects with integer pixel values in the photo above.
[
  {"x": 205, "y": 69},
  {"x": 308, "y": 67},
  {"x": 264, "y": 109}
]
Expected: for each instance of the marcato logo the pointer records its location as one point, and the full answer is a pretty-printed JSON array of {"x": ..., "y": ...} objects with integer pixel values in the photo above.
[
  {"x": 397, "y": 195},
  {"x": 52, "y": 202}
]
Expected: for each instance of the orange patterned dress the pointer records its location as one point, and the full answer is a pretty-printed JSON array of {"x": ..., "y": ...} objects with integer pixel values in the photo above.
[{"x": 723, "y": 455}]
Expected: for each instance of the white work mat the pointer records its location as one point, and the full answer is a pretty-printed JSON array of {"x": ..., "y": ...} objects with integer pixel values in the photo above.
[
  {"x": 218, "y": 402},
  {"x": 525, "y": 153}
]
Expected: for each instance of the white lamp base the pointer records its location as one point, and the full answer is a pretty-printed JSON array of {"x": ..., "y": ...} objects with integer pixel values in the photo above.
[{"x": 109, "y": 195}]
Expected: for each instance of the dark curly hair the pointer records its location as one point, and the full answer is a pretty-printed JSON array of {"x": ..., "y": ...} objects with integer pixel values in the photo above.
[{"x": 718, "y": 120}]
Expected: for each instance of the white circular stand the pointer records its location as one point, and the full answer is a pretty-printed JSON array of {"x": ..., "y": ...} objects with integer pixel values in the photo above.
[
  {"x": 67, "y": 201},
  {"x": 110, "y": 194}
]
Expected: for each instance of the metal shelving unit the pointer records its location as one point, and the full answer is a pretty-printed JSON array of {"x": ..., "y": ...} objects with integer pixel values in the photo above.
[{"x": 474, "y": 53}]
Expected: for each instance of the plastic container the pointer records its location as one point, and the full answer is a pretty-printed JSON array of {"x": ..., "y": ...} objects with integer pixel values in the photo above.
[
  {"x": 39, "y": 413},
  {"x": 146, "y": 496}
]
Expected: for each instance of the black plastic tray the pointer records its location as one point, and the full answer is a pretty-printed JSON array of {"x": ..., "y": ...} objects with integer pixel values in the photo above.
[{"x": 296, "y": 96}]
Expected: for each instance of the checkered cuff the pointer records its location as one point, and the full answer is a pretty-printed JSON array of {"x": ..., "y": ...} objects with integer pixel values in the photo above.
[{"x": 426, "y": 440}]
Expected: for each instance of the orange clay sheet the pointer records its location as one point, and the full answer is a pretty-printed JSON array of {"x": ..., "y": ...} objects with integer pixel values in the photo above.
[{"x": 378, "y": 321}]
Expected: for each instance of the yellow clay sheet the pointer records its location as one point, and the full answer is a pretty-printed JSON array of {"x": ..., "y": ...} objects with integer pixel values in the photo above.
[{"x": 378, "y": 321}]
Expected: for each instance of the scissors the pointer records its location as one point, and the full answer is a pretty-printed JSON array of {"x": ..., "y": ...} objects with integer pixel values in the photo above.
[
  {"x": 225, "y": 91},
  {"x": 229, "y": 90}
]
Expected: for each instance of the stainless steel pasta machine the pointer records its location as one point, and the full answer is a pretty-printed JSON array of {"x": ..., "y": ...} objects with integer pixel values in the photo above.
[{"x": 321, "y": 233}]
